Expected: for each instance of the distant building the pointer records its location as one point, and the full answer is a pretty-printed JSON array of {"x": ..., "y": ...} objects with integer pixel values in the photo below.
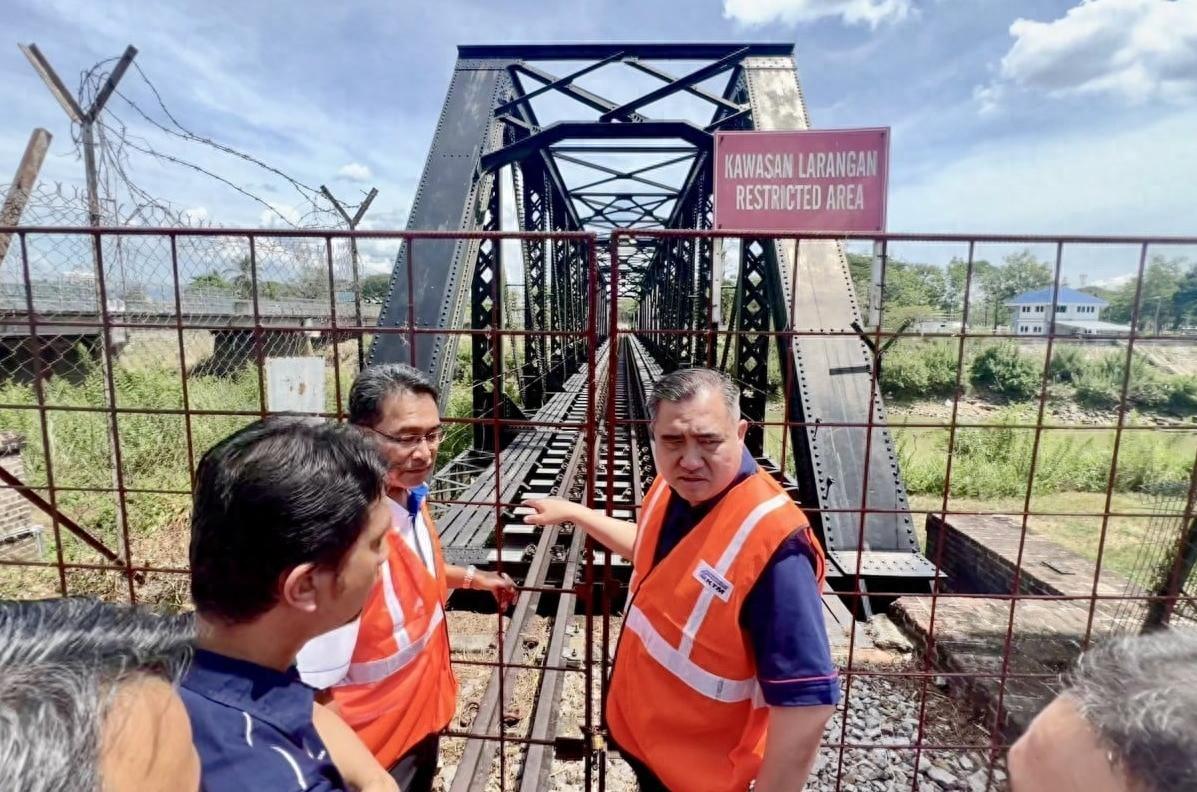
[
  {"x": 934, "y": 326},
  {"x": 1077, "y": 313}
]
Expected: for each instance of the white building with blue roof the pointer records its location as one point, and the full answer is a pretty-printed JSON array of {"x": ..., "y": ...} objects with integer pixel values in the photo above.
[{"x": 1077, "y": 313}]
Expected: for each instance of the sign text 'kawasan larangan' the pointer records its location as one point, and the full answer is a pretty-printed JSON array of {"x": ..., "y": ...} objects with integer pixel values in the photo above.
[{"x": 802, "y": 181}]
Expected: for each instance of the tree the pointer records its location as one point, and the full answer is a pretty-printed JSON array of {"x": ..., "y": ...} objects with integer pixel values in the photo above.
[
  {"x": 909, "y": 284},
  {"x": 374, "y": 287},
  {"x": 311, "y": 283},
  {"x": 1184, "y": 300},
  {"x": 1021, "y": 272},
  {"x": 1161, "y": 284},
  {"x": 861, "y": 268},
  {"x": 213, "y": 281},
  {"x": 955, "y": 278},
  {"x": 911, "y": 289}
]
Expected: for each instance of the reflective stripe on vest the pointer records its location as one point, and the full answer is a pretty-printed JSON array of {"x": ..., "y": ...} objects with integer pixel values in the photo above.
[
  {"x": 677, "y": 660},
  {"x": 371, "y": 671},
  {"x": 394, "y": 608},
  {"x": 681, "y": 666},
  {"x": 644, "y": 517},
  {"x": 694, "y": 623}
]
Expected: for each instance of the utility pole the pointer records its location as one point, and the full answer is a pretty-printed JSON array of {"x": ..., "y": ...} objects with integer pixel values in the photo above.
[
  {"x": 22, "y": 184},
  {"x": 357, "y": 283},
  {"x": 876, "y": 284}
]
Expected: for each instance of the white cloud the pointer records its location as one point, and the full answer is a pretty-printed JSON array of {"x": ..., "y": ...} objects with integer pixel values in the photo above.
[
  {"x": 1115, "y": 281},
  {"x": 355, "y": 171},
  {"x": 270, "y": 218},
  {"x": 374, "y": 265},
  {"x": 754, "y": 13},
  {"x": 1134, "y": 50},
  {"x": 196, "y": 215},
  {"x": 1135, "y": 180}
]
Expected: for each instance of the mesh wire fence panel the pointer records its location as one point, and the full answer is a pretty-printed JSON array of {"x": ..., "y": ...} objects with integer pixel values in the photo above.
[{"x": 1047, "y": 477}]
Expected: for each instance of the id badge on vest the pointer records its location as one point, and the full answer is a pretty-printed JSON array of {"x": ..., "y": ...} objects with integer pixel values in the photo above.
[{"x": 711, "y": 580}]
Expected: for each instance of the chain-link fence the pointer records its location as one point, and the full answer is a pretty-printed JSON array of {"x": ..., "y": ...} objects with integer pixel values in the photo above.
[
  {"x": 1025, "y": 523},
  {"x": 175, "y": 342},
  {"x": 214, "y": 276}
]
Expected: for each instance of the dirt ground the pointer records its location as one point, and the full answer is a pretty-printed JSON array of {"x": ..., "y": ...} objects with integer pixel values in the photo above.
[
  {"x": 872, "y": 698},
  {"x": 473, "y": 639}
]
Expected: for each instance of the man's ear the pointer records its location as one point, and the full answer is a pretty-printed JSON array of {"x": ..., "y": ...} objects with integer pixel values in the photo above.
[
  {"x": 741, "y": 429},
  {"x": 299, "y": 588}
]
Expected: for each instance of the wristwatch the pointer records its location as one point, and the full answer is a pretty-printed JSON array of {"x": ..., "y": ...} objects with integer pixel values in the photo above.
[{"x": 471, "y": 571}]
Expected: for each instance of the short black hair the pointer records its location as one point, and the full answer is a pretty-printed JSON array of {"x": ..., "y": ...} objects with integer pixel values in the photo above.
[
  {"x": 375, "y": 384},
  {"x": 283, "y": 491}
]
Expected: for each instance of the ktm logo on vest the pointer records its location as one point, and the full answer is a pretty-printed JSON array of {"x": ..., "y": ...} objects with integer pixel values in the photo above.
[{"x": 718, "y": 585}]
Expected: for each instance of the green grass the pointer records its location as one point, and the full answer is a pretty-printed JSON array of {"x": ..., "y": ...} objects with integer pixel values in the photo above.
[
  {"x": 996, "y": 462},
  {"x": 154, "y": 452}
]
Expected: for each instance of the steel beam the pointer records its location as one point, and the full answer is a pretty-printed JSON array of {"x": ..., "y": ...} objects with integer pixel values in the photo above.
[
  {"x": 626, "y": 110},
  {"x": 584, "y": 130},
  {"x": 446, "y": 199},
  {"x": 534, "y": 217},
  {"x": 694, "y": 90},
  {"x": 486, "y": 311},
  {"x": 557, "y": 84},
  {"x": 588, "y": 98},
  {"x": 646, "y": 50}
]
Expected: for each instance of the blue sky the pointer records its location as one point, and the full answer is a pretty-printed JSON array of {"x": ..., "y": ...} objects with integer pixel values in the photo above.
[{"x": 1007, "y": 115}]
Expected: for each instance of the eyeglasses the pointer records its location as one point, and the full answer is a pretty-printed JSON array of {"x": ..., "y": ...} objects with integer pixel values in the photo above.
[{"x": 409, "y": 442}]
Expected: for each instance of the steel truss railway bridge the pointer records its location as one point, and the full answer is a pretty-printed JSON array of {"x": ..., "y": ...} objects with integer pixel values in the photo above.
[{"x": 600, "y": 148}]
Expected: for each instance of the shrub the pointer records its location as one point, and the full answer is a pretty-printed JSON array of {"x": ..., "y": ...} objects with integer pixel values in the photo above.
[
  {"x": 917, "y": 370},
  {"x": 995, "y": 461},
  {"x": 1004, "y": 371},
  {"x": 903, "y": 373},
  {"x": 1068, "y": 364},
  {"x": 1182, "y": 395},
  {"x": 1095, "y": 390},
  {"x": 940, "y": 359},
  {"x": 1100, "y": 385}
]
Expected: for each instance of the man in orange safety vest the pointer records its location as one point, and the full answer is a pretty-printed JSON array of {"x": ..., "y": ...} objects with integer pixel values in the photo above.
[
  {"x": 723, "y": 675},
  {"x": 388, "y": 672}
]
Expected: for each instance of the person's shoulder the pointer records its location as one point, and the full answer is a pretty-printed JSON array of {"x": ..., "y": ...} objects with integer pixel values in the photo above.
[
  {"x": 211, "y": 719},
  {"x": 238, "y": 751},
  {"x": 796, "y": 545}
]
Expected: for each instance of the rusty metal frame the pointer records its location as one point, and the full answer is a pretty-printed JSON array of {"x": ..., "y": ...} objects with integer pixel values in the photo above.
[{"x": 588, "y": 317}]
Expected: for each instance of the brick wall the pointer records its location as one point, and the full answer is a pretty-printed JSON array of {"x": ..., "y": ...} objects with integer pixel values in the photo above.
[
  {"x": 19, "y": 538},
  {"x": 980, "y": 554}
]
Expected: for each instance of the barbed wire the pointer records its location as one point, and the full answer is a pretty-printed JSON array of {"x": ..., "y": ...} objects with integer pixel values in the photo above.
[
  {"x": 306, "y": 191},
  {"x": 115, "y": 170}
]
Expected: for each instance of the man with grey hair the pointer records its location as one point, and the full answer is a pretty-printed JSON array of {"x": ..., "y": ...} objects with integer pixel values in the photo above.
[
  {"x": 88, "y": 699},
  {"x": 1126, "y": 722},
  {"x": 387, "y": 672},
  {"x": 723, "y": 676}
]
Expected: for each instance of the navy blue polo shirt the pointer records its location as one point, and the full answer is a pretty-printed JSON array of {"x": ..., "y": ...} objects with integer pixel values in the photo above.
[
  {"x": 782, "y": 614},
  {"x": 252, "y": 727}
]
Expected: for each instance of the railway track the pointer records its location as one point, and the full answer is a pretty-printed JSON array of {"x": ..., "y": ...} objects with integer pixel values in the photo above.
[{"x": 563, "y": 578}]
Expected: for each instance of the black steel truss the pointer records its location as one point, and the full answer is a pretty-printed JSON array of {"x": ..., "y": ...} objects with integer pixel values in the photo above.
[
  {"x": 622, "y": 162},
  {"x": 753, "y": 305}
]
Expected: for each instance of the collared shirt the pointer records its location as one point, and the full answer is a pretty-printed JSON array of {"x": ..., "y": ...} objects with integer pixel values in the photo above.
[
  {"x": 324, "y": 660},
  {"x": 408, "y": 521},
  {"x": 783, "y": 614},
  {"x": 253, "y": 729}
]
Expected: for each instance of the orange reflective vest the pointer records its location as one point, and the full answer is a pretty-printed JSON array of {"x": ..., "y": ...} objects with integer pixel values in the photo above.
[
  {"x": 400, "y": 687},
  {"x": 684, "y": 698}
]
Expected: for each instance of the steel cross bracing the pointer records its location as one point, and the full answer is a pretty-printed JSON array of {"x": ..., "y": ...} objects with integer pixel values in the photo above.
[{"x": 606, "y": 139}]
